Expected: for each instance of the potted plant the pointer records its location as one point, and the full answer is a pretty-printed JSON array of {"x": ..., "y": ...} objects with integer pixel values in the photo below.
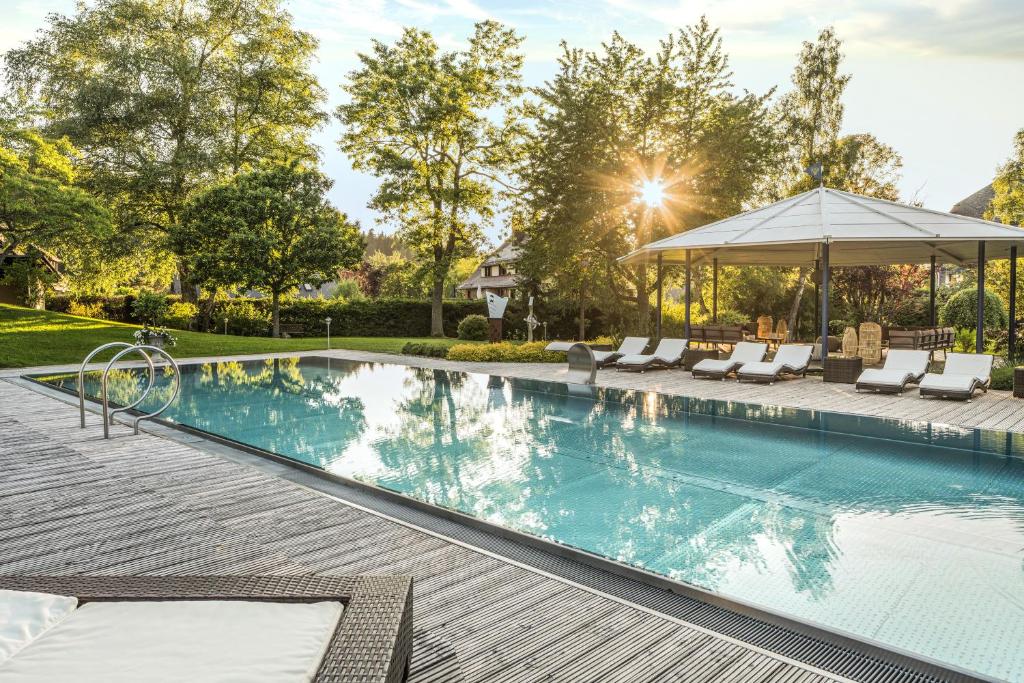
[{"x": 158, "y": 337}]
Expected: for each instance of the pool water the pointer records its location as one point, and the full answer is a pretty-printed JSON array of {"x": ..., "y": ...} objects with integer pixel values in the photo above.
[{"x": 907, "y": 534}]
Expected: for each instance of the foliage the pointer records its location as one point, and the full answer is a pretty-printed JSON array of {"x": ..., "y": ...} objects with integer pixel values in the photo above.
[
  {"x": 611, "y": 120},
  {"x": 166, "y": 97},
  {"x": 31, "y": 279},
  {"x": 1008, "y": 203},
  {"x": 961, "y": 310},
  {"x": 1002, "y": 378},
  {"x": 29, "y": 337},
  {"x": 271, "y": 229},
  {"x": 348, "y": 290},
  {"x": 428, "y": 349},
  {"x": 181, "y": 315},
  {"x": 505, "y": 352},
  {"x": 731, "y": 317},
  {"x": 150, "y": 335},
  {"x": 92, "y": 309},
  {"x": 875, "y": 293},
  {"x": 473, "y": 328},
  {"x": 392, "y": 275},
  {"x": 150, "y": 308},
  {"x": 244, "y": 318},
  {"x": 422, "y": 120}
]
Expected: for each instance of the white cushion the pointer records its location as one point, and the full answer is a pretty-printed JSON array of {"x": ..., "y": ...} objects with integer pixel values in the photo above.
[
  {"x": 636, "y": 359},
  {"x": 712, "y": 365},
  {"x": 24, "y": 616},
  {"x": 975, "y": 364},
  {"x": 947, "y": 382},
  {"x": 188, "y": 640},
  {"x": 884, "y": 376},
  {"x": 559, "y": 346},
  {"x": 761, "y": 368}
]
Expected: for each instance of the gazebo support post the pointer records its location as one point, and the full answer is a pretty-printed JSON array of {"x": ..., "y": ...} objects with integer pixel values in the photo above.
[
  {"x": 817, "y": 294},
  {"x": 686, "y": 324},
  {"x": 824, "y": 302},
  {"x": 931, "y": 293},
  {"x": 979, "y": 334},
  {"x": 661, "y": 271},
  {"x": 1012, "y": 337},
  {"x": 714, "y": 290}
]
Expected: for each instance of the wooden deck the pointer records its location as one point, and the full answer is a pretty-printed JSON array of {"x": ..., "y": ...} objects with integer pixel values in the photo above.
[{"x": 74, "y": 503}]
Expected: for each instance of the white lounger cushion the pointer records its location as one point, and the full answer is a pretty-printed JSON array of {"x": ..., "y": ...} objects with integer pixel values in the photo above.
[
  {"x": 189, "y": 640},
  {"x": 745, "y": 352},
  {"x": 885, "y": 376},
  {"x": 914, "y": 362},
  {"x": 961, "y": 372},
  {"x": 948, "y": 382},
  {"x": 793, "y": 357},
  {"x": 630, "y": 346},
  {"x": 668, "y": 351},
  {"x": 559, "y": 346},
  {"x": 24, "y": 616},
  {"x": 712, "y": 365}
]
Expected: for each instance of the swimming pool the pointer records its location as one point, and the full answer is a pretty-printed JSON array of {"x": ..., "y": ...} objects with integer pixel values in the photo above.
[{"x": 906, "y": 534}]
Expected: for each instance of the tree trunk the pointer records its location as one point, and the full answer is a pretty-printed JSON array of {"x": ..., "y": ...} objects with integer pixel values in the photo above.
[
  {"x": 437, "y": 308},
  {"x": 801, "y": 283},
  {"x": 275, "y": 304},
  {"x": 583, "y": 316}
]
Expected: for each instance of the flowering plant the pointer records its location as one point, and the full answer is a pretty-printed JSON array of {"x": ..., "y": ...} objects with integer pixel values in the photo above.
[{"x": 148, "y": 335}]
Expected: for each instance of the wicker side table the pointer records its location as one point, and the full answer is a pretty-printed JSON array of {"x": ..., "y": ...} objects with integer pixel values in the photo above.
[
  {"x": 694, "y": 356},
  {"x": 842, "y": 369},
  {"x": 1018, "y": 382}
]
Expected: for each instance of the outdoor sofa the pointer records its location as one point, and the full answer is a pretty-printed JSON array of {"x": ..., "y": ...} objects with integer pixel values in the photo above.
[
  {"x": 668, "y": 354},
  {"x": 744, "y": 352},
  {"x": 963, "y": 374},
  {"x": 371, "y": 640},
  {"x": 715, "y": 334},
  {"x": 902, "y": 367},
  {"x": 790, "y": 359}
]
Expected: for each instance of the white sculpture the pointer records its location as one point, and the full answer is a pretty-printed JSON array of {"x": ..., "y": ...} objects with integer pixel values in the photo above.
[
  {"x": 531, "y": 322},
  {"x": 496, "y": 305}
]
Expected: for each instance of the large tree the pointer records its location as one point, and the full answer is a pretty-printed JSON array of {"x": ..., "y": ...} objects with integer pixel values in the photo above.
[
  {"x": 1008, "y": 203},
  {"x": 165, "y": 97},
  {"x": 439, "y": 129},
  {"x": 614, "y": 121},
  {"x": 270, "y": 230}
]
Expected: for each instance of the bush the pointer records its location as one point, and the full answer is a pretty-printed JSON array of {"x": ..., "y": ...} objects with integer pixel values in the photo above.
[
  {"x": 961, "y": 311},
  {"x": 244, "y": 318},
  {"x": 730, "y": 317},
  {"x": 181, "y": 315},
  {"x": 505, "y": 352},
  {"x": 1002, "y": 378},
  {"x": 348, "y": 290},
  {"x": 92, "y": 309},
  {"x": 425, "y": 349},
  {"x": 374, "y": 317},
  {"x": 150, "y": 308},
  {"x": 473, "y": 328}
]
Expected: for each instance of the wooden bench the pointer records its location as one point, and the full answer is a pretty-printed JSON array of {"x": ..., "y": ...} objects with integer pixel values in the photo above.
[{"x": 293, "y": 330}]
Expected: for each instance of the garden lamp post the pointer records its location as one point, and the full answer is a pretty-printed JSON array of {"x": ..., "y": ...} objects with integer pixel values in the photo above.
[
  {"x": 225, "y": 325},
  {"x": 328, "y": 321}
]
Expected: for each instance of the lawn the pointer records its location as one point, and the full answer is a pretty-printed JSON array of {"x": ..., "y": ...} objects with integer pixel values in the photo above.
[{"x": 29, "y": 337}]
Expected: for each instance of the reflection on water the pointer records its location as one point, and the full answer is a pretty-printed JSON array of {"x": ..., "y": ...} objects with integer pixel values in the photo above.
[{"x": 914, "y": 538}]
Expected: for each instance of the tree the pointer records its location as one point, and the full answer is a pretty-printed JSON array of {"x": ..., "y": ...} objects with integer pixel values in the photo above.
[
  {"x": 270, "y": 230},
  {"x": 961, "y": 310},
  {"x": 423, "y": 121},
  {"x": 165, "y": 97},
  {"x": 1008, "y": 203}
]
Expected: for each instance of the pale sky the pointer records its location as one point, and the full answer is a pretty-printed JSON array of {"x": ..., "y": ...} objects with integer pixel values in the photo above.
[{"x": 939, "y": 80}]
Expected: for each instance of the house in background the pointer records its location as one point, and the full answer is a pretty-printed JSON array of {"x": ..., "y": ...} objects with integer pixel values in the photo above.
[
  {"x": 31, "y": 291},
  {"x": 496, "y": 274},
  {"x": 974, "y": 206}
]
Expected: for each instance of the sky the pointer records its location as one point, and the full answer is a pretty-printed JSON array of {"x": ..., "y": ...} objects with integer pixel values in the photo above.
[{"x": 938, "y": 80}]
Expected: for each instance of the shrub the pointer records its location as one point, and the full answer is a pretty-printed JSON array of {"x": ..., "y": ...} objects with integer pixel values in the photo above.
[
  {"x": 348, "y": 290},
  {"x": 961, "y": 310},
  {"x": 425, "y": 349},
  {"x": 731, "y": 317},
  {"x": 92, "y": 309},
  {"x": 150, "y": 308},
  {"x": 473, "y": 328},
  {"x": 244, "y": 317},
  {"x": 1002, "y": 378},
  {"x": 505, "y": 352},
  {"x": 181, "y": 315},
  {"x": 375, "y": 317}
]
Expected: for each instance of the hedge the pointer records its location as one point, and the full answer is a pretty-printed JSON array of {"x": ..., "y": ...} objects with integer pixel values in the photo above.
[
  {"x": 505, "y": 352},
  {"x": 425, "y": 349}
]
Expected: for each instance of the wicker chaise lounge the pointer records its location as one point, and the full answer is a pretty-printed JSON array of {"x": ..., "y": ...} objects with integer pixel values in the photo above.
[
  {"x": 791, "y": 359},
  {"x": 630, "y": 346},
  {"x": 372, "y": 640},
  {"x": 963, "y": 374},
  {"x": 745, "y": 352},
  {"x": 669, "y": 354},
  {"x": 901, "y": 368}
]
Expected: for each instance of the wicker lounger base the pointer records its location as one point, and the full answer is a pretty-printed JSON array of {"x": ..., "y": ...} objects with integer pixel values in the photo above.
[
  {"x": 882, "y": 388},
  {"x": 373, "y": 641},
  {"x": 650, "y": 365},
  {"x": 712, "y": 374},
  {"x": 768, "y": 379},
  {"x": 960, "y": 395}
]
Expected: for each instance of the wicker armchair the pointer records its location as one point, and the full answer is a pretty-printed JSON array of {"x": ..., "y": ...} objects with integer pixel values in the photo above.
[
  {"x": 870, "y": 343},
  {"x": 373, "y": 641},
  {"x": 764, "y": 327}
]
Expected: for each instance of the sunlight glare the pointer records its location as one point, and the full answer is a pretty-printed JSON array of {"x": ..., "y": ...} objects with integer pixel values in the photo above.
[{"x": 652, "y": 193}]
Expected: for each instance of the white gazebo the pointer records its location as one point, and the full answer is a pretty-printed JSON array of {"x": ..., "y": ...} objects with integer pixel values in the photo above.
[{"x": 825, "y": 228}]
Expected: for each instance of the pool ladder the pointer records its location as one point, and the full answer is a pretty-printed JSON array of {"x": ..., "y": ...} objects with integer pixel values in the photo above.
[{"x": 145, "y": 351}]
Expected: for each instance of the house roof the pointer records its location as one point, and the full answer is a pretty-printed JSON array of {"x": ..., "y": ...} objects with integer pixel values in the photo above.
[
  {"x": 860, "y": 230},
  {"x": 508, "y": 252},
  {"x": 976, "y": 204},
  {"x": 496, "y": 281}
]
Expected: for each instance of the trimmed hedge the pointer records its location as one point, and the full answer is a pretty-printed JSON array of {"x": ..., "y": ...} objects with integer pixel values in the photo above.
[
  {"x": 374, "y": 317},
  {"x": 505, "y": 352},
  {"x": 1002, "y": 378},
  {"x": 425, "y": 349}
]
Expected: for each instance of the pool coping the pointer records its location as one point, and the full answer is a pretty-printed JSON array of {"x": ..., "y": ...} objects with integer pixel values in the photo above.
[{"x": 918, "y": 664}]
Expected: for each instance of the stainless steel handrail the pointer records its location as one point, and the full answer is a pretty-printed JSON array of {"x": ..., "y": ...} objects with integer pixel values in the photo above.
[
  {"x": 92, "y": 354},
  {"x": 145, "y": 350}
]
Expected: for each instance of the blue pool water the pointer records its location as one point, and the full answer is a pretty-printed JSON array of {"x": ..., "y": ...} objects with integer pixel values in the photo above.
[{"x": 907, "y": 534}]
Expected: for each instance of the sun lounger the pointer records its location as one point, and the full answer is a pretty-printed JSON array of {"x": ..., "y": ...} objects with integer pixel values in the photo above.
[
  {"x": 630, "y": 346},
  {"x": 963, "y": 375},
  {"x": 790, "y": 359},
  {"x": 901, "y": 368},
  {"x": 253, "y": 628},
  {"x": 745, "y": 352},
  {"x": 669, "y": 354}
]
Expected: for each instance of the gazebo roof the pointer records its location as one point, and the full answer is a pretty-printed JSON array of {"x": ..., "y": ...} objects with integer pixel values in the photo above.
[{"x": 859, "y": 230}]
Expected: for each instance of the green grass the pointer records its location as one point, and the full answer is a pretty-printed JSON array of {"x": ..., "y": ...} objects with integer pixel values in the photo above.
[{"x": 29, "y": 337}]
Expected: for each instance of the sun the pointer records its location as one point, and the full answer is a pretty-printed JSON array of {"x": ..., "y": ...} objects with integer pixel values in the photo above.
[{"x": 652, "y": 192}]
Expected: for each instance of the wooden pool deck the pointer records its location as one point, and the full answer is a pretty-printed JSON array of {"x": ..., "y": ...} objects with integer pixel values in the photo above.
[{"x": 74, "y": 503}]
